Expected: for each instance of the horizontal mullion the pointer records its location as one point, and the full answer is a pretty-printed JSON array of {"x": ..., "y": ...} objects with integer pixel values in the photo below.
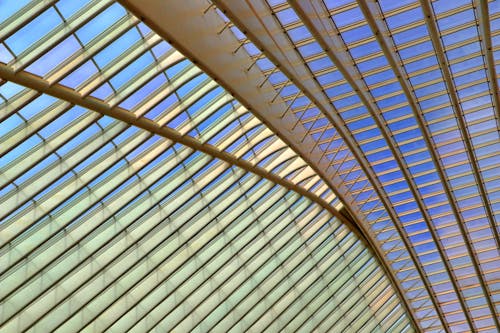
[
  {"x": 87, "y": 268},
  {"x": 99, "y": 219},
  {"x": 17, "y": 102},
  {"x": 92, "y": 48},
  {"x": 114, "y": 67},
  {"x": 23, "y": 163},
  {"x": 23, "y": 17},
  {"x": 17, "y": 135},
  {"x": 304, "y": 290},
  {"x": 168, "y": 60},
  {"x": 188, "y": 226},
  {"x": 342, "y": 289},
  {"x": 205, "y": 111},
  {"x": 55, "y": 36},
  {"x": 250, "y": 313},
  {"x": 271, "y": 245}
]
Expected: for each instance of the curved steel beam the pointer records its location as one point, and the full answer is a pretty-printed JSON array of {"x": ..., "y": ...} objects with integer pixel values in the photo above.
[
  {"x": 433, "y": 28},
  {"x": 275, "y": 46},
  {"x": 205, "y": 39},
  {"x": 483, "y": 14},
  {"x": 374, "y": 15},
  {"x": 316, "y": 17},
  {"x": 66, "y": 94},
  {"x": 38, "y": 84},
  {"x": 452, "y": 92}
]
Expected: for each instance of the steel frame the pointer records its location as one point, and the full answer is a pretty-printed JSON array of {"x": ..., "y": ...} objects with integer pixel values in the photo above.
[
  {"x": 218, "y": 53},
  {"x": 70, "y": 96},
  {"x": 207, "y": 40},
  {"x": 277, "y": 47},
  {"x": 65, "y": 94},
  {"x": 431, "y": 23},
  {"x": 483, "y": 15},
  {"x": 373, "y": 15},
  {"x": 316, "y": 17}
]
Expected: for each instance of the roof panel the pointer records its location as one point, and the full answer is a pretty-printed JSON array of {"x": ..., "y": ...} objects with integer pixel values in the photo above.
[{"x": 350, "y": 183}]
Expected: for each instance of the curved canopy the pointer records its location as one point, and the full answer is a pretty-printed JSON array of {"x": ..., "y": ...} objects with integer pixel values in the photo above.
[{"x": 250, "y": 165}]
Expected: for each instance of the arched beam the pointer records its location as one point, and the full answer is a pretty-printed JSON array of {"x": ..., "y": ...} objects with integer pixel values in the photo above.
[
  {"x": 66, "y": 94},
  {"x": 432, "y": 26},
  {"x": 316, "y": 17},
  {"x": 69, "y": 95},
  {"x": 56, "y": 90},
  {"x": 483, "y": 15},
  {"x": 374, "y": 16},
  {"x": 205, "y": 39}
]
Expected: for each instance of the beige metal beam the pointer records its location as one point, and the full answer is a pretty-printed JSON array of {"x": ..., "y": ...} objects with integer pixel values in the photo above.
[
  {"x": 433, "y": 28},
  {"x": 38, "y": 84},
  {"x": 373, "y": 15},
  {"x": 63, "y": 93},
  {"x": 316, "y": 17},
  {"x": 482, "y": 13},
  {"x": 281, "y": 51},
  {"x": 206, "y": 41},
  {"x": 66, "y": 94}
]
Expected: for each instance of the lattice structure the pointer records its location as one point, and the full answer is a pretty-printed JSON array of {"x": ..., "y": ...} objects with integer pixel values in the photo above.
[{"x": 256, "y": 165}]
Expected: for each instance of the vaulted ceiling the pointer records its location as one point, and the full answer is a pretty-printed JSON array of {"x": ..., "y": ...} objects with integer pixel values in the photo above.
[{"x": 250, "y": 165}]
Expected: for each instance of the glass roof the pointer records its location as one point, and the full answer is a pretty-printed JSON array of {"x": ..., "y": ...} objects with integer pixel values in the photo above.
[{"x": 250, "y": 165}]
